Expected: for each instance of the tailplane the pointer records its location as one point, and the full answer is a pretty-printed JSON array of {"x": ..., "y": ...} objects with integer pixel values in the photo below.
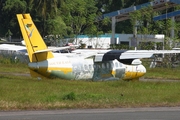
[{"x": 35, "y": 45}]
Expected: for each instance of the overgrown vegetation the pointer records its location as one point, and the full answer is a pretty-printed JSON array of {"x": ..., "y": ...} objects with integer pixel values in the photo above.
[
  {"x": 163, "y": 73},
  {"x": 164, "y": 70},
  {"x": 18, "y": 92},
  {"x": 9, "y": 65},
  {"x": 67, "y": 18}
]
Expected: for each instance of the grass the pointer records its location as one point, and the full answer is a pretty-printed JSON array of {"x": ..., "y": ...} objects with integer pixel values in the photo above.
[
  {"x": 8, "y": 65},
  {"x": 19, "y": 92},
  {"x": 163, "y": 73},
  {"x": 26, "y": 93}
]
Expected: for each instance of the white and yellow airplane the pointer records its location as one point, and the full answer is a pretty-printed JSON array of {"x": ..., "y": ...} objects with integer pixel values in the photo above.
[{"x": 80, "y": 64}]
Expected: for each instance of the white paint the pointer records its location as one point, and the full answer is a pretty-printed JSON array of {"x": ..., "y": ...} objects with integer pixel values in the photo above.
[{"x": 104, "y": 41}]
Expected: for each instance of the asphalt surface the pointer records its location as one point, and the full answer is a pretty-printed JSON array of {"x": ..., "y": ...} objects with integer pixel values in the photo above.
[{"x": 159, "y": 113}]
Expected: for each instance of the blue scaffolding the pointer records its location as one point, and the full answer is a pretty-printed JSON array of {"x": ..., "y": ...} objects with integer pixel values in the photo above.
[
  {"x": 168, "y": 15},
  {"x": 124, "y": 14},
  {"x": 157, "y": 5}
]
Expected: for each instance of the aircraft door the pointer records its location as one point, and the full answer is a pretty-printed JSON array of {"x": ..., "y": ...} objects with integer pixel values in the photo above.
[
  {"x": 83, "y": 68},
  {"x": 111, "y": 70},
  {"x": 119, "y": 69}
]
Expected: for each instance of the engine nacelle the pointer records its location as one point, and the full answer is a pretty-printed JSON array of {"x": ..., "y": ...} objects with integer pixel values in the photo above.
[{"x": 136, "y": 62}]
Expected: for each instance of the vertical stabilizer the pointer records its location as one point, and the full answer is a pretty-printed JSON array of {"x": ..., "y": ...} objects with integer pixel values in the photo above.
[{"x": 33, "y": 39}]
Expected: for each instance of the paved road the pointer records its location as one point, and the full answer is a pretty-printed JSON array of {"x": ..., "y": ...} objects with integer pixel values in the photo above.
[{"x": 163, "y": 113}]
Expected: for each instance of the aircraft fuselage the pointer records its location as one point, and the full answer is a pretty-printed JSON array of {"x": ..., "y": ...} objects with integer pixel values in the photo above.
[{"x": 75, "y": 67}]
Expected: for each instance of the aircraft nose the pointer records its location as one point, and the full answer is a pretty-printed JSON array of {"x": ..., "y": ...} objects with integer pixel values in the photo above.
[
  {"x": 141, "y": 70},
  {"x": 134, "y": 72}
]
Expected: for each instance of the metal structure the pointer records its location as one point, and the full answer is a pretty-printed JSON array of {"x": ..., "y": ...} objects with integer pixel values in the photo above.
[
  {"x": 174, "y": 16},
  {"x": 124, "y": 14},
  {"x": 168, "y": 15}
]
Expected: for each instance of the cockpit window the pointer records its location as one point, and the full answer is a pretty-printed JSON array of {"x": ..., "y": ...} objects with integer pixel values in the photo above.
[
  {"x": 85, "y": 67},
  {"x": 116, "y": 64}
]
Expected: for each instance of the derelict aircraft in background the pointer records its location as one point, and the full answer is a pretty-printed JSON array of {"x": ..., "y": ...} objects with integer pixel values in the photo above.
[{"x": 81, "y": 64}]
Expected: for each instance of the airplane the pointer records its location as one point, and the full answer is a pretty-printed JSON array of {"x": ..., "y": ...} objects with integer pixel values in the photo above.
[
  {"x": 15, "y": 52},
  {"x": 81, "y": 64}
]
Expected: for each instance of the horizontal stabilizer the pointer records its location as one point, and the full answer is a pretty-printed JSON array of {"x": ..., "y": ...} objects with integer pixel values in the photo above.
[{"x": 52, "y": 49}]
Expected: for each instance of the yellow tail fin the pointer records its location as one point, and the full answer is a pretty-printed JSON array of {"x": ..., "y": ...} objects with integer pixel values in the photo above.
[{"x": 33, "y": 39}]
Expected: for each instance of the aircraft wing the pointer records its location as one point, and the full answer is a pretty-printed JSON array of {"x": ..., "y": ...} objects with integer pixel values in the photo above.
[
  {"x": 10, "y": 47},
  {"x": 145, "y": 53},
  {"x": 136, "y": 54},
  {"x": 165, "y": 51},
  {"x": 107, "y": 55},
  {"x": 124, "y": 56}
]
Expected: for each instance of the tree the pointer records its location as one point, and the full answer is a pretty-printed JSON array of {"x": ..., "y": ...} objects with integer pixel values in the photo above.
[
  {"x": 79, "y": 15},
  {"x": 45, "y": 11},
  {"x": 8, "y": 15}
]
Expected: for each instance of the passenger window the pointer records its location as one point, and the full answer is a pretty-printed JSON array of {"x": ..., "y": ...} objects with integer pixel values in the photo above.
[
  {"x": 81, "y": 67},
  {"x": 108, "y": 65},
  {"x": 90, "y": 67},
  {"x": 103, "y": 65},
  {"x": 78, "y": 67},
  {"x": 75, "y": 68},
  {"x": 85, "y": 67},
  {"x": 98, "y": 66},
  {"x": 111, "y": 65},
  {"x": 116, "y": 64}
]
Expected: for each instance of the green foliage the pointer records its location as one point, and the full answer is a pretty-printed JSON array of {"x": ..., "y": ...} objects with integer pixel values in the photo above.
[
  {"x": 20, "y": 92},
  {"x": 8, "y": 64},
  {"x": 8, "y": 11},
  {"x": 80, "y": 15},
  {"x": 119, "y": 46},
  {"x": 56, "y": 26},
  {"x": 146, "y": 46},
  {"x": 70, "y": 96},
  {"x": 142, "y": 19},
  {"x": 5, "y": 61},
  {"x": 14, "y": 6},
  {"x": 69, "y": 18},
  {"x": 163, "y": 72},
  {"x": 8, "y": 60}
]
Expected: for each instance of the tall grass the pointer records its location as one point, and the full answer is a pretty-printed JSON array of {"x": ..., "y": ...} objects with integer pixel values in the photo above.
[
  {"x": 23, "y": 92},
  {"x": 9, "y": 65},
  {"x": 161, "y": 72},
  {"x": 27, "y": 93}
]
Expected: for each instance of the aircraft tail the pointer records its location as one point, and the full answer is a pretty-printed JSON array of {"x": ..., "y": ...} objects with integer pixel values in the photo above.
[{"x": 36, "y": 47}]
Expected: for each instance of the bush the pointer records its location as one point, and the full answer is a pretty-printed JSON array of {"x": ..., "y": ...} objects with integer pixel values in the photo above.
[{"x": 70, "y": 96}]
